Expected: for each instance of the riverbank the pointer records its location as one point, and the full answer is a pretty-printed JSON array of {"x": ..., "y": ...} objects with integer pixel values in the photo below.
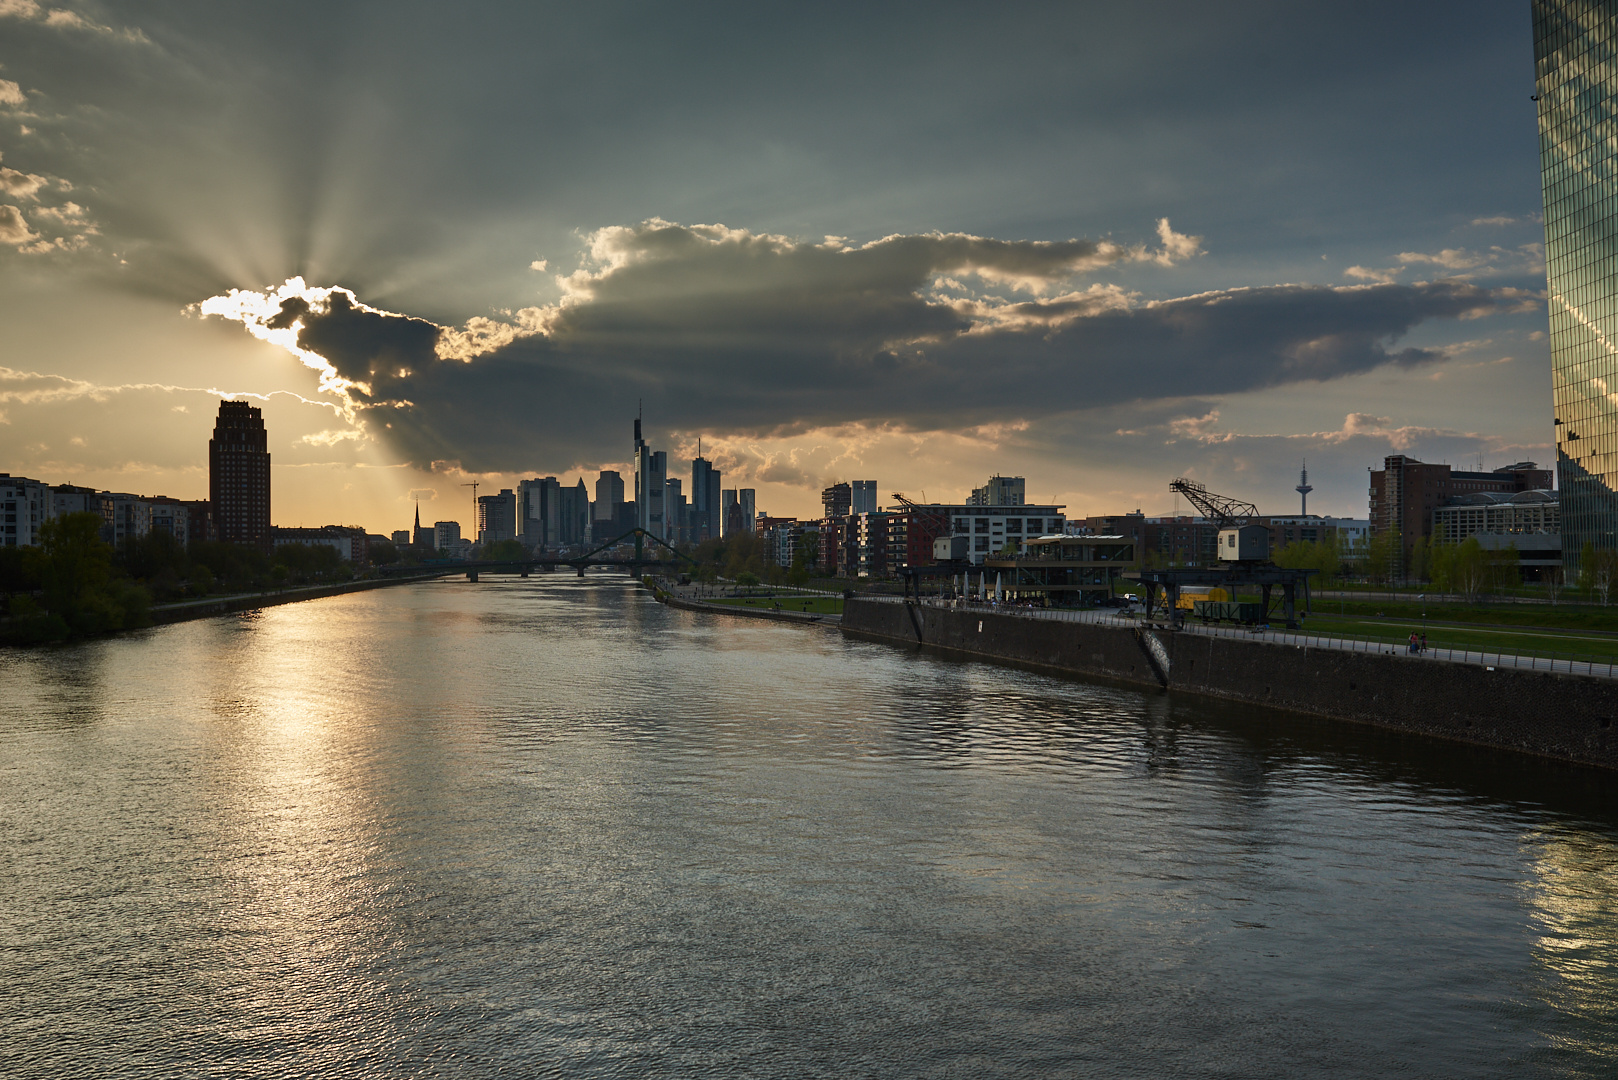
[
  {"x": 1547, "y": 713},
  {"x": 208, "y": 607},
  {"x": 211, "y": 606},
  {"x": 675, "y": 600}
]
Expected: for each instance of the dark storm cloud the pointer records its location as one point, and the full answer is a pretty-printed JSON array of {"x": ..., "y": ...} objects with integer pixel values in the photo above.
[
  {"x": 725, "y": 330},
  {"x": 362, "y": 344}
]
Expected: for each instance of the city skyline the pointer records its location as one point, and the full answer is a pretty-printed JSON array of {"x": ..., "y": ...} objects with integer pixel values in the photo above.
[{"x": 1073, "y": 268}]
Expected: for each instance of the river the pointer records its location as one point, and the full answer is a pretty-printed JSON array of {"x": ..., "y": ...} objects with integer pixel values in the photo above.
[{"x": 548, "y": 827}]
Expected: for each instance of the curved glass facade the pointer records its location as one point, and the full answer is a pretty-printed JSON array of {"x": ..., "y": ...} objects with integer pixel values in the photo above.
[{"x": 1576, "y": 73}]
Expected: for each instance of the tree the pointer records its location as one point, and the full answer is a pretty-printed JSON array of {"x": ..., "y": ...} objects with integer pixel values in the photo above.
[
  {"x": 1470, "y": 570},
  {"x": 1381, "y": 556},
  {"x": 77, "y": 577},
  {"x": 1602, "y": 573},
  {"x": 1505, "y": 568},
  {"x": 1553, "y": 584},
  {"x": 501, "y": 551},
  {"x": 1419, "y": 558},
  {"x": 1308, "y": 555},
  {"x": 384, "y": 552}
]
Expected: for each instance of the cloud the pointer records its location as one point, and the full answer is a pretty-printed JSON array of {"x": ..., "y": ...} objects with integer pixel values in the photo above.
[
  {"x": 70, "y": 213},
  {"x": 1449, "y": 259},
  {"x": 1526, "y": 258},
  {"x": 11, "y": 93},
  {"x": 20, "y": 185},
  {"x": 42, "y": 388},
  {"x": 1381, "y": 277},
  {"x": 726, "y": 330},
  {"x": 14, "y": 227},
  {"x": 63, "y": 19}
]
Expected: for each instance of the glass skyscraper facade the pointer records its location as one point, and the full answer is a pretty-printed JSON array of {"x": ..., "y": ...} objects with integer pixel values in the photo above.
[{"x": 1576, "y": 74}]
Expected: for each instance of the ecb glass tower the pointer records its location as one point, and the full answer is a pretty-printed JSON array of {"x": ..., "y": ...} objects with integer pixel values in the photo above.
[{"x": 1576, "y": 75}]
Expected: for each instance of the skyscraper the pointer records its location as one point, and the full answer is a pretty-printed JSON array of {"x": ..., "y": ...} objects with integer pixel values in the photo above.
[
  {"x": 651, "y": 467},
  {"x": 864, "y": 496},
  {"x": 239, "y": 474},
  {"x": 609, "y": 521},
  {"x": 705, "y": 516},
  {"x": 1575, "y": 68}
]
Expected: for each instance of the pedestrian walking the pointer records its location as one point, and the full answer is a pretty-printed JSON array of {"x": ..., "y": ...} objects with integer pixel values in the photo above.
[
  {"x": 1413, "y": 643},
  {"x": 1424, "y": 641}
]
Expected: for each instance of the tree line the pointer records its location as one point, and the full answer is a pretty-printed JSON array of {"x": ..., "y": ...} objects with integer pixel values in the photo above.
[{"x": 74, "y": 584}]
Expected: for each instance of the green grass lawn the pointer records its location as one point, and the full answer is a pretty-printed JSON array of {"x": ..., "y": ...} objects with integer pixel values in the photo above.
[
  {"x": 1506, "y": 639},
  {"x": 814, "y": 605},
  {"x": 1536, "y": 616}
]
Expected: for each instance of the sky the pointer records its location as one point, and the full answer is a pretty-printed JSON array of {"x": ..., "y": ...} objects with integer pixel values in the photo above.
[{"x": 1099, "y": 246}]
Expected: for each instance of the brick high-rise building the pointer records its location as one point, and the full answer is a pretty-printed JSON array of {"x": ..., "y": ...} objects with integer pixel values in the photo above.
[
  {"x": 239, "y": 474},
  {"x": 1405, "y": 492}
]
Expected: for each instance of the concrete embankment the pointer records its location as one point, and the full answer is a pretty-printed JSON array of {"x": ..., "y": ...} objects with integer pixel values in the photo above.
[
  {"x": 1570, "y": 717},
  {"x": 225, "y": 605},
  {"x": 673, "y": 600}
]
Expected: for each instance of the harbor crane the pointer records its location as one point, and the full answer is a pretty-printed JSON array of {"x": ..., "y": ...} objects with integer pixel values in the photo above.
[{"x": 1221, "y": 509}]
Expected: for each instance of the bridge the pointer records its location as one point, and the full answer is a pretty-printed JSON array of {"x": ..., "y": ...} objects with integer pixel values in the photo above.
[{"x": 673, "y": 560}]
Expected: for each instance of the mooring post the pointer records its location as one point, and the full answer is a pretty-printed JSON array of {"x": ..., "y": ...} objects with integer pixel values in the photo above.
[{"x": 471, "y": 575}]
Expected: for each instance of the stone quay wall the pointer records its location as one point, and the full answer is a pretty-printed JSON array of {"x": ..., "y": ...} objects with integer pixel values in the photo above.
[{"x": 1570, "y": 717}]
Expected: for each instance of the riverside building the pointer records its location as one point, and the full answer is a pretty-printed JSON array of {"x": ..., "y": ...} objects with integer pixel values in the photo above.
[
  {"x": 239, "y": 474},
  {"x": 1575, "y": 73}
]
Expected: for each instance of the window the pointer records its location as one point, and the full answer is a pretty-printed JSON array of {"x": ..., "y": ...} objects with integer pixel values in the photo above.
[{"x": 981, "y": 525}]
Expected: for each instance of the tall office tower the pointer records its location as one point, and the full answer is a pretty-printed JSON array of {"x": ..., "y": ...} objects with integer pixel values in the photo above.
[
  {"x": 863, "y": 493},
  {"x": 239, "y": 474},
  {"x": 674, "y": 511},
  {"x": 572, "y": 513},
  {"x": 1575, "y": 70},
  {"x": 609, "y": 495},
  {"x": 745, "y": 497},
  {"x": 530, "y": 523},
  {"x": 837, "y": 500},
  {"x": 730, "y": 512},
  {"x": 705, "y": 499},
  {"x": 497, "y": 517},
  {"x": 999, "y": 491},
  {"x": 651, "y": 467},
  {"x": 657, "y": 516}
]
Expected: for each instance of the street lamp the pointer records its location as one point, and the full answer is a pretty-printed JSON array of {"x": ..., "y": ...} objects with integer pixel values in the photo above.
[{"x": 1423, "y": 598}]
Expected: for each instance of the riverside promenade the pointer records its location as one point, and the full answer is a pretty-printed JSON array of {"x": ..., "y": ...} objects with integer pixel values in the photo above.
[
  {"x": 1486, "y": 659},
  {"x": 1539, "y": 705}
]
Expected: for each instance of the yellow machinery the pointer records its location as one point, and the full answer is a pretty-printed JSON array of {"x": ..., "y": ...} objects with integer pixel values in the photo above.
[{"x": 1190, "y": 594}]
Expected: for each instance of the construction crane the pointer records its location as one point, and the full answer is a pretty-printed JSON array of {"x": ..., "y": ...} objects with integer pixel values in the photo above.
[
  {"x": 473, "y": 484},
  {"x": 1223, "y": 510}
]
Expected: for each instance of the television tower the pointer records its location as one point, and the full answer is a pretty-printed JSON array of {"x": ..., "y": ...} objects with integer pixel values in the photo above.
[{"x": 1304, "y": 489}]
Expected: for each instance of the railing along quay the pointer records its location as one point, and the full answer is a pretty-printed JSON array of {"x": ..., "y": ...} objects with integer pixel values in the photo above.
[{"x": 1605, "y": 669}]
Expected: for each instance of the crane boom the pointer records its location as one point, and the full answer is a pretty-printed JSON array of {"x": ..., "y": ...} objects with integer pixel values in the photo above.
[{"x": 1223, "y": 509}]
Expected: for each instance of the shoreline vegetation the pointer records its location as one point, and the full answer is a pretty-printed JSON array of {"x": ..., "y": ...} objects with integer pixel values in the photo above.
[{"x": 75, "y": 585}]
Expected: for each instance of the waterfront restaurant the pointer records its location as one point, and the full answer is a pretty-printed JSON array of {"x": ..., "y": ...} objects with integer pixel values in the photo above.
[{"x": 1064, "y": 571}]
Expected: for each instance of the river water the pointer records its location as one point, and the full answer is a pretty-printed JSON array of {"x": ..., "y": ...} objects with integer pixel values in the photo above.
[{"x": 552, "y": 828}]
